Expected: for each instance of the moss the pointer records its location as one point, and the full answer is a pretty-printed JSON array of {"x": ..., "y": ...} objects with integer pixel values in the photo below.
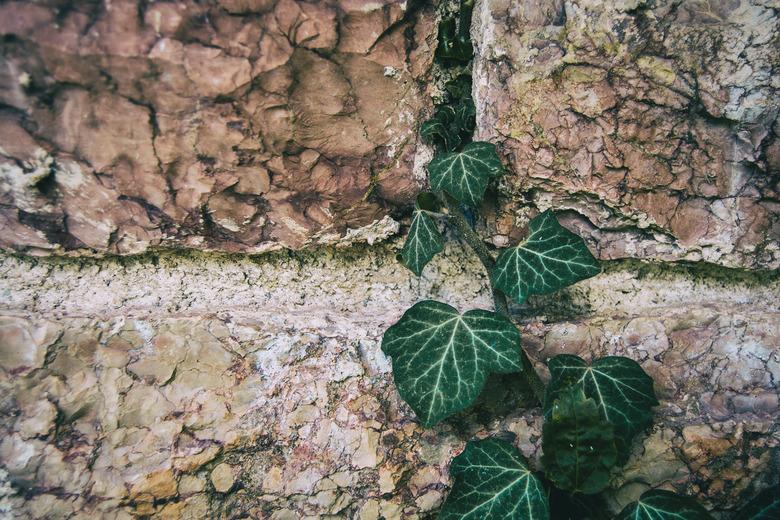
[{"x": 701, "y": 272}]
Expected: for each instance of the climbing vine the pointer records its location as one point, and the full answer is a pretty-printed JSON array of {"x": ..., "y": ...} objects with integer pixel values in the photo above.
[{"x": 442, "y": 358}]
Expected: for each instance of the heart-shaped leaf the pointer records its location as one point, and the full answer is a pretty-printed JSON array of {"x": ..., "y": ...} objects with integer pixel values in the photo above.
[
  {"x": 551, "y": 258},
  {"x": 657, "y": 504},
  {"x": 424, "y": 240},
  {"x": 492, "y": 480},
  {"x": 579, "y": 445},
  {"x": 441, "y": 358},
  {"x": 623, "y": 393},
  {"x": 465, "y": 174},
  {"x": 766, "y": 506}
]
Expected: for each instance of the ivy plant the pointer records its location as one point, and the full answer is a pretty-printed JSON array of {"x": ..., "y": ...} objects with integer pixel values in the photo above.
[
  {"x": 441, "y": 358},
  {"x": 593, "y": 409},
  {"x": 663, "y": 505},
  {"x": 451, "y": 125},
  {"x": 493, "y": 480},
  {"x": 766, "y": 506}
]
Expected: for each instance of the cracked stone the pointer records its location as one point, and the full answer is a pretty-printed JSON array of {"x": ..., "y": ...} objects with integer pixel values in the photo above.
[
  {"x": 223, "y": 477},
  {"x": 140, "y": 127},
  {"x": 151, "y": 390},
  {"x": 648, "y": 154},
  {"x": 160, "y": 484},
  {"x": 139, "y": 387},
  {"x": 20, "y": 350}
]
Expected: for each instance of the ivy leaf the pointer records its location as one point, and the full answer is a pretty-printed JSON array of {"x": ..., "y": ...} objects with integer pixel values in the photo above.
[
  {"x": 454, "y": 46},
  {"x": 466, "y": 115},
  {"x": 441, "y": 358},
  {"x": 657, "y": 504},
  {"x": 552, "y": 257},
  {"x": 440, "y": 130},
  {"x": 465, "y": 174},
  {"x": 766, "y": 506},
  {"x": 459, "y": 87},
  {"x": 579, "y": 446},
  {"x": 492, "y": 480},
  {"x": 622, "y": 391},
  {"x": 450, "y": 126},
  {"x": 424, "y": 240}
]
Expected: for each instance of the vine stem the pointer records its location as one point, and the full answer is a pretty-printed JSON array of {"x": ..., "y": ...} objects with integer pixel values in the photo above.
[{"x": 499, "y": 299}]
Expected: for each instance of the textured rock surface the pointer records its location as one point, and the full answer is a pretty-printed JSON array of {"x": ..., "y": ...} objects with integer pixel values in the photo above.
[
  {"x": 208, "y": 385},
  {"x": 655, "y": 121},
  {"x": 230, "y": 125},
  {"x": 202, "y": 386}
]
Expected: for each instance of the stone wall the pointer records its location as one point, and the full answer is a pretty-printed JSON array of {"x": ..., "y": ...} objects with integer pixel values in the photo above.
[
  {"x": 230, "y": 125},
  {"x": 656, "y": 122},
  {"x": 186, "y": 384},
  {"x": 195, "y": 385}
]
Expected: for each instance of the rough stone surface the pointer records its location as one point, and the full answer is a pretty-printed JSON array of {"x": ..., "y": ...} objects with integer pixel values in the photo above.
[
  {"x": 216, "y": 386},
  {"x": 655, "y": 122},
  {"x": 252, "y": 125},
  {"x": 211, "y": 385},
  {"x": 228, "y": 125}
]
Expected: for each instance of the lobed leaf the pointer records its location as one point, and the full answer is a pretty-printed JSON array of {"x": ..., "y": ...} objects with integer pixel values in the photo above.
[
  {"x": 492, "y": 480},
  {"x": 622, "y": 391},
  {"x": 424, "y": 240},
  {"x": 441, "y": 358},
  {"x": 579, "y": 445},
  {"x": 657, "y": 504},
  {"x": 465, "y": 174},
  {"x": 552, "y": 257}
]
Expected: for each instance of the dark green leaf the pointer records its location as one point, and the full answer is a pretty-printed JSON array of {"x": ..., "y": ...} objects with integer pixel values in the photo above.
[
  {"x": 427, "y": 201},
  {"x": 491, "y": 480},
  {"x": 442, "y": 130},
  {"x": 459, "y": 87},
  {"x": 441, "y": 358},
  {"x": 465, "y": 116},
  {"x": 465, "y": 174},
  {"x": 766, "y": 506},
  {"x": 450, "y": 126},
  {"x": 454, "y": 47},
  {"x": 551, "y": 258},
  {"x": 623, "y": 393},
  {"x": 579, "y": 445},
  {"x": 663, "y": 505},
  {"x": 424, "y": 240},
  {"x": 570, "y": 506}
]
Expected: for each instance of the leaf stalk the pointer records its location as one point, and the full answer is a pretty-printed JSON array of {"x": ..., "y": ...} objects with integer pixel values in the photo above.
[{"x": 458, "y": 219}]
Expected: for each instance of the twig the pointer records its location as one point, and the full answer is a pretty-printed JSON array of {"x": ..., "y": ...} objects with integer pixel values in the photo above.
[{"x": 499, "y": 299}]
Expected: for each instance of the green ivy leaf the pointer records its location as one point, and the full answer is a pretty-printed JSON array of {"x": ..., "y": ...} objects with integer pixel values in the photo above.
[
  {"x": 440, "y": 130},
  {"x": 465, "y": 174},
  {"x": 552, "y": 257},
  {"x": 622, "y": 391},
  {"x": 657, "y": 504},
  {"x": 492, "y": 480},
  {"x": 454, "y": 47},
  {"x": 459, "y": 87},
  {"x": 441, "y": 358},
  {"x": 450, "y": 126},
  {"x": 766, "y": 506},
  {"x": 424, "y": 240},
  {"x": 579, "y": 446}
]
